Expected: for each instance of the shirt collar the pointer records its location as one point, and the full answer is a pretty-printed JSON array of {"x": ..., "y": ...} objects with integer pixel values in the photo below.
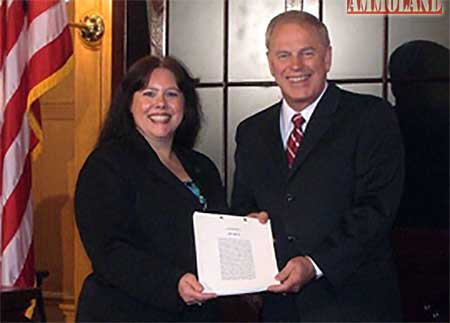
[{"x": 286, "y": 114}]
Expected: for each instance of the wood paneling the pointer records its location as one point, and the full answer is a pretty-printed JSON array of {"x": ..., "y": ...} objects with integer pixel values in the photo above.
[
  {"x": 52, "y": 186},
  {"x": 92, "y": 97},
  {"x": 118, "y": 42},
  {"x": 72, "y": 113}
]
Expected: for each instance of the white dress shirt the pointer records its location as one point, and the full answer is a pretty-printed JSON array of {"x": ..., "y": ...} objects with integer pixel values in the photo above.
[{"x": 286, "y": 114}]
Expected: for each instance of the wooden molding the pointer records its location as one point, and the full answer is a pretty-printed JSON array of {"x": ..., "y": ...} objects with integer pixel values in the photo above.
[
  {"x": 69, "y": 312},
  {"x": 91, "y": 95}
]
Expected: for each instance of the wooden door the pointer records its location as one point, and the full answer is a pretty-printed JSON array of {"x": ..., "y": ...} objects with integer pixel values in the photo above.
[{"x": 72, "y": 114}]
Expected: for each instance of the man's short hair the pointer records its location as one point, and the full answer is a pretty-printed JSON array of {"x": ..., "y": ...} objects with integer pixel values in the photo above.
[{"x": 300, "y": 18}]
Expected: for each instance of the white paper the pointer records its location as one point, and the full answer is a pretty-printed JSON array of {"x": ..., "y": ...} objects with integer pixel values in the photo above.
[{"x": 235, "y": 254}]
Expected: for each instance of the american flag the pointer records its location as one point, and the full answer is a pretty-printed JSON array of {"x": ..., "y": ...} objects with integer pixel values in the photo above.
[{"x": 35, "y": 54}]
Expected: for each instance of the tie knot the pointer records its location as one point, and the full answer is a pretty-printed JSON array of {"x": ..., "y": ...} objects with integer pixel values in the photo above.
[{"x": 298, "y": 120}]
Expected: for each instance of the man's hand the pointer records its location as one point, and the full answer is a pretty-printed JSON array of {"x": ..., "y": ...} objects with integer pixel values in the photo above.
[
  {"x": 261, "y": 216},
  {"x": 190, "y": 290},
  {"x": 296, "y": 274}
]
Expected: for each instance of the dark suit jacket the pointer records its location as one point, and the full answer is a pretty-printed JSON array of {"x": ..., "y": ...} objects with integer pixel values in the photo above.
[
  {"x": 135, "y": 220},
  {"x": 336, "y": 204}
]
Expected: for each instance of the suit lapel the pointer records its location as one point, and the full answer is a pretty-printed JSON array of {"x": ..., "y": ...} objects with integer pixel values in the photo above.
[
  {"x": 319, "y": 123},
  {"x": 154, "y": 166},
  {"x": 273, "y": 143},
  {"x": 186, "y": 158}
]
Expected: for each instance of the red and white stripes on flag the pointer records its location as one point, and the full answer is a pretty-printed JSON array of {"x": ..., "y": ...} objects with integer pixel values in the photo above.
[{"x": 35, "y": 54}]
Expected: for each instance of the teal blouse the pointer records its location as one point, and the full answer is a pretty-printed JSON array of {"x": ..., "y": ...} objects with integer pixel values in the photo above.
[{"x": 196, "y": 191}]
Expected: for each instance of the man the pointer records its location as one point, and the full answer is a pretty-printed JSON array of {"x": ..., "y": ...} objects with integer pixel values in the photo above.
[{"x": 330, "y": 184}]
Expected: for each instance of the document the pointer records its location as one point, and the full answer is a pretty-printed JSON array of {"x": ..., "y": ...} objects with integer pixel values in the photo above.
[{"x": 235, "y": 254}]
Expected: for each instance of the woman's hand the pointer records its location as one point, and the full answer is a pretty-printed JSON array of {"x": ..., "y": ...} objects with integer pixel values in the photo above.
[
  {"x": 262, "y": 216},
  {"x": 190, "y": 290}
]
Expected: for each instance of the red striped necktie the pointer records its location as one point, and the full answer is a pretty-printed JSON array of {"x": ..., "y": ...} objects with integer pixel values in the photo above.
[{"x": 295, "y": 138}]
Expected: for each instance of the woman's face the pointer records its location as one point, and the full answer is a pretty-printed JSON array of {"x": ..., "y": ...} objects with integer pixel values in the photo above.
[{"x": 158, "y": 108}]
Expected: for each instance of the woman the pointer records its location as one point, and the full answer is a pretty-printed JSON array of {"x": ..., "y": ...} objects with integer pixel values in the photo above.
[{"x": 135, "y": 198}]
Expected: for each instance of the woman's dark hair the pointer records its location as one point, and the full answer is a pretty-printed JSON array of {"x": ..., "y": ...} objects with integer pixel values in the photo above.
[{"x": 119, "y": 121}]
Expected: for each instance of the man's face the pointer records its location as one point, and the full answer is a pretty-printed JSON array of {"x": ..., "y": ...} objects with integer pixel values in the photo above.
[{"x": 299, "y": 61}]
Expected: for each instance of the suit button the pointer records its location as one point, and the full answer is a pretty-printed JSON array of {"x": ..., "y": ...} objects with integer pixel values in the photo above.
[
  {"x": 291, "y": 238},
  {"x": 289, "y": 197}
]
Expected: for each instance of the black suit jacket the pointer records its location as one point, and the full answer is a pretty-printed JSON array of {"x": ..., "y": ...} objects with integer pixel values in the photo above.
[
  {"x": 135, "y": 220},
  {"x": 336, "y": 204}
]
